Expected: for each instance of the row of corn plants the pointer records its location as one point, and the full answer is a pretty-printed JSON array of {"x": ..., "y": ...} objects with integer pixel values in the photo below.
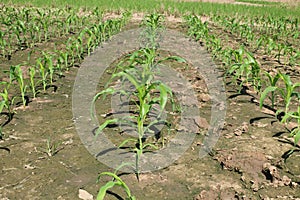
[
  {"x": 279, "y": 85},
  {"x": 39, "y": 72},
  {"x": 245, "y": 71},
  {"x": 139, "y": 69},
  {"x": 23, "y": 28},
  {"x": 273, "y": 44},
  {"x": 239, "y": 63}
]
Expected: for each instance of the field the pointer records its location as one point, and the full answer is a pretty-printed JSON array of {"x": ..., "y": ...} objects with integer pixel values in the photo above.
[{"x": 93, "y": 94}]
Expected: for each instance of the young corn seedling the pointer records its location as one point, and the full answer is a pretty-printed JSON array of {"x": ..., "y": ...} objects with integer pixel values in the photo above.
[
  {"x": 116, "y": 181},
  {"x": 286, "y": 93},
  {"x": 154, "y": 25},
  {"x": 43, "y": 72},
  {"x": 139, "y": 70},
  {"x": 52, "y": 148},
  {"x": 245, "y": 69},
  {"x": 294, "y": 57},
  {"x": 6, "y": 101},
  {"x": 17, "y": 75},
  {"x": 78, "y": 46},
  {"x": 32, "y": 72},
  {"x": 296, "y": 131},
  {"x": 49, "y": 65},
  {"x": 271, "y": 88},
  {"x": 2, "y": 44},
  {"x": 289, "y": 92},
  {"x": 63, "y": 59},
  {"x": 197, "y": 29},
  {"x": 90, "y": 39}
]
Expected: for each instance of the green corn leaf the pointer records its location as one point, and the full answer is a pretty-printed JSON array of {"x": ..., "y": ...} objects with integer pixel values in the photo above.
[
  {"x": 106, "y": 91},
  {"x": 118, "y": 181},
  {"x": 297, "y": 137},
  {"x": 2, "y": 104},
  {"x": 265, "y": 93},
  {"x": 130, "y": 77},
  {"x": 150, "y": 145},
  {"x": 103, "y": 189},
  {"x": 286, "y": 117},
  {"x": 126, "y": 141},
  {"x": 153, "y": 123},
  {"x": 286, "y": 79},
  {"x": 296, "y": 85},
  {"x": 296, "y": 134},
  {"x": 145, "y": 110},
  {"x": 103, "y": 92},
  {"x": 105, "y": 124},
  {"x": 233, "y": 68},
  {"x": 272, "y": 80},
  {"x": 251, "y": 58},
  {"x": 155, "y": 100},
  {"x": 164, "y": 90},
  {"x": 296, "y": 94},
  {"x": 295, "y": 115}
]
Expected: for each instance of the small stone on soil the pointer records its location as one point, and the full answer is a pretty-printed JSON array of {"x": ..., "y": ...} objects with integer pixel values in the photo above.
[{"x": 84, "y": 195}]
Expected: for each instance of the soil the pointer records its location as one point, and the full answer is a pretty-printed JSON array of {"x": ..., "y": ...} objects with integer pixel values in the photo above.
[{"x": 246, "y": 163}]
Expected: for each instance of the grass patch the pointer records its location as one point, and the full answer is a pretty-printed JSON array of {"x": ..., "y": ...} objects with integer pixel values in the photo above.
[{"x": 202, "y": 8}]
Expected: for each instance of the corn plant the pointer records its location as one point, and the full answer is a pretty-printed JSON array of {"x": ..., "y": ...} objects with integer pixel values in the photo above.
[
  {"x": 90, "y": 39},
  {"x": 52, "y": 148},
  {"x": 2, "y": 44},
  {"x": 271, "y": 88},
  {"x": 116, "y": 181},
  {"x": 6, "y": 101},
  {"x": 294, "y": 56},
  {"x": 290, "y": 90},
  {"x": 17, "y": 74},
  {"x": 63, "y": 59},
  {"x": 43, "y": 72},
  {"x": 78, "y": 46},
  {"x": 197, "y": 29},
  {"x": 139, "y": 69},
  {"x": 296, "y": 131},
  {"x": 22, "y": 29},
  {"x": 245, "y": 69},
  {"x": 286, "y": 93},
  {"x": 32, "y": 72},
  {"x": 48, "y": 60},
  {"x": 154, "y": 25}
]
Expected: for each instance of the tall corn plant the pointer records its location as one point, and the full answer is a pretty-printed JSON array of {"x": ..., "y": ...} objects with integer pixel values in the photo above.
[{"x": 139, "y": 69}]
